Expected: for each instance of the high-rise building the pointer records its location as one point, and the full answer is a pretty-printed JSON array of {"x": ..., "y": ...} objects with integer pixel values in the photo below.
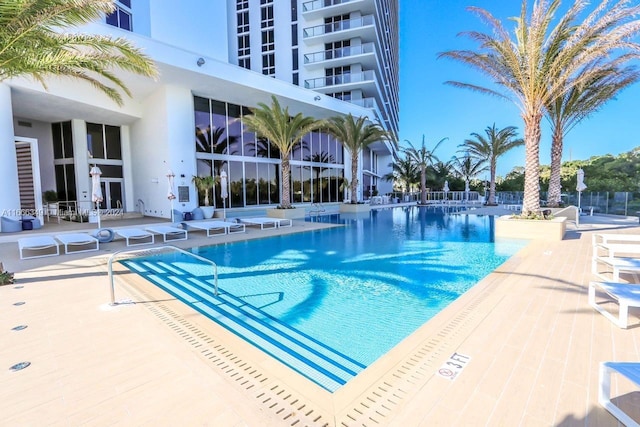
[{"x": 217, "y": 60}]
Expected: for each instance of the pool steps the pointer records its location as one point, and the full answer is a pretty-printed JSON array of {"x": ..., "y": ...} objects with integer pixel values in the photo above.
[{"x": 316, "y": 361}]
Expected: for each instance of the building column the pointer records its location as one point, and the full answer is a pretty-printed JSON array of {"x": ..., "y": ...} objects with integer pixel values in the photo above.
[
  {"x": 81, "y": 164},
  {"x": 10, "y": 194}
]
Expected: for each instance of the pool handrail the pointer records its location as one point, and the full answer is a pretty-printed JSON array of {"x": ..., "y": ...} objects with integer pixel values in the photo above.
[{"x": 153, "y": 249}]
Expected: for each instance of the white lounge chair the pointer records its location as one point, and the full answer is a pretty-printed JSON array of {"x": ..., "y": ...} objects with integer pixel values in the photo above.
[
  {"x": 629, "y": 370},
  {"x": 217, "y": 228},
  {"x": 617, "y": 249},
  {"x": 626, "y": 295},
  {"x": 265, "y": 222},
  {"x": 616, "y": 265},
  {"x": 169, "y": 233},
  {"x": 609, "y": 238},
  {"x": 78, "y": 240},
  {"x": 137, "y": 235},
  {"x": 37, "y": 243}
]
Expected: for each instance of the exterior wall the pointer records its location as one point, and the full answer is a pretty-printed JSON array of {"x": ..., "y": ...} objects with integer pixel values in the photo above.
[{"x": 10, "y": 195}]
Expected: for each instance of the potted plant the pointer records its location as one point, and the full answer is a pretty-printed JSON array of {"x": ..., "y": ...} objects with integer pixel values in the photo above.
[
  {"x": 204, "y": 184},
  {"x": 6, "y": 278}
]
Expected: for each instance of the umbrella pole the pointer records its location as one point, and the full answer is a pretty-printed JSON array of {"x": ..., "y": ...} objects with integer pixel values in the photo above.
[
  {"x": 224, "y": 209},
  {"x": 579, "y": 208},
  {"x": 98, "y": 213},
  {"x": 172, "y": 211}
]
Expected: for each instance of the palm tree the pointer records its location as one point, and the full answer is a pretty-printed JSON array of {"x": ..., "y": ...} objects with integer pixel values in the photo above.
[
  {"x": 490, "y": 148},
  {"x": 355, "y": 135},
  {"x": 565, "y": 112},
  {"x": 468, "y": 167},
  {"x": 33, "y": 43},
  {"x": 423, "y": 158},
  {"x": 204, "y": 184},
  {"x": 539, "y": 62},
  {"x": 404, "y": 171},
  {"x": 284, "y": 132}
]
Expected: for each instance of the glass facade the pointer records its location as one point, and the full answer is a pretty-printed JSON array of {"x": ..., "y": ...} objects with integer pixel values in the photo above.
[{"x": 253, "y": 164}]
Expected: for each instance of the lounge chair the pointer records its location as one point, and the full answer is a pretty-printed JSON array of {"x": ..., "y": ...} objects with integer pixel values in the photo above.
[
  {"x": 169, "y": 233},
  {"x": 78, "y": 240},
  {"x": 265, "y": 222},
  {"x": 616, "y": 264},
  {"x": 137, "y": 235},
  {"x": 609, "y": 238},
  {"x": 617, "y": 249},
  {"x": 217, "y": 228},
  {"x": 626, "y": 295},
  {"x": 37, "y": 243},
  {"x": 629, "y": 370}
]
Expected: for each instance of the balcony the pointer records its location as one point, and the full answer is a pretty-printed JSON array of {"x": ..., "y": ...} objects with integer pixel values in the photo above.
[
  {"x": 365, "y": 80},
  {"x": 362, "y": 27},
  {"x": 363, "y": 54},
  {"x": 323, "y": 8}
]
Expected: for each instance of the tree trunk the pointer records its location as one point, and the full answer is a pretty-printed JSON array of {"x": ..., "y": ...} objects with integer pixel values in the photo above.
[
  {"x": 531, "y": 202},
  {"x": 423, "y": 184},
  {"x": 286, "y": 183},
  {"x": 492, "y": 183},
  {"x": 555, "y": 184},
  {"x": 354, "y": 178}
]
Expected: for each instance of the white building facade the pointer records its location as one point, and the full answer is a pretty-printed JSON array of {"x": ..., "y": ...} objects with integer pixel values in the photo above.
[{"x": 188, "y": 121}]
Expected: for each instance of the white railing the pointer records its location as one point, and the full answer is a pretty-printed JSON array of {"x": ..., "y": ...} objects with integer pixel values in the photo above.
[
  {"x": 341, "y": 79},
  {"x": 342, "y": 52},
  {"x": 320, "y": 4},
  {"x": 332, "y": 27}
]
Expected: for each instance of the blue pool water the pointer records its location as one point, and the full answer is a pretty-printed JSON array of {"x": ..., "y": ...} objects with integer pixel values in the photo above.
[{"x": 330, "y": 302}]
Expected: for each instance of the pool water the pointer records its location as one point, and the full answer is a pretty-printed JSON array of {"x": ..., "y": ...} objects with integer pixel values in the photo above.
[{"x": 346, "y": 295}]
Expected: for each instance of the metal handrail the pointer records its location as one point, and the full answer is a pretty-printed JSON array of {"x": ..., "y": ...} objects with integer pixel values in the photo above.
[{"x": 154, "y": 249}]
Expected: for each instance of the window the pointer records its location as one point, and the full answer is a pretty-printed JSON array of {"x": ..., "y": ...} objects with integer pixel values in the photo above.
[
  {"x": 243, "y": 45},
  {"x": 121, "y": 17},
  {"x": 338, "y": 75},
  {"x": 337, "y": 49},
  {"x": 336, "y": 23},
  {"x": 266, "y": 16},
  {"x": 345, "y": 96},
  {"x": 242, "y": 4},
  {"x": 245, "y": 63},
  {"x": 103, "y": 141},
  {"x": 294, "y": 35},
  {"x": 268, "y": 42},
  {"x": 62, "y": 140},
  {"x": 269, "y": 64},
  {"x": 296, "y": 79},
  {"x": 294, "y": 59},
  {"x": 243, "y": 22}
]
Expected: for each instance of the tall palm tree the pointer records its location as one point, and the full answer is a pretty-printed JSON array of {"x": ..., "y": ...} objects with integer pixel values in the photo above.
[
  {"x": 33, "y": 45},
  {"x": 355, "y": 135},
  {"x": 565, "y": 112},
  {"x": 467, "y": 167},
  {"x": 541, "y": 62},
  {"x": 423, "y": 158},
  {"x": 490, "y": 148},
  {"x": 284, "y": 132},
  {"x": 403, "y": 171}
]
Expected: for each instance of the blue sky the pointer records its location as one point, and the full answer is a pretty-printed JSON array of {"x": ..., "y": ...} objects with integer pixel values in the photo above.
[{"x": 431, "y": 108}]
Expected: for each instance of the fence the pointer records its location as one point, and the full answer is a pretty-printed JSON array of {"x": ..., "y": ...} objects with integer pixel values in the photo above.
[{"x": 605, "y": 202}]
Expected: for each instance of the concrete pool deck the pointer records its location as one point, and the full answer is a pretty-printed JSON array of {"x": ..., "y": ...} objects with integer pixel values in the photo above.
[{"x": 534, "y": 345}]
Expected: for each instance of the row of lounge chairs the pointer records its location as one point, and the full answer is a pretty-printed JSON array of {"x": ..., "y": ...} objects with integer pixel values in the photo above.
[
  {"x": 614, "y": 254},
  {"x": 43, "y": 246}
]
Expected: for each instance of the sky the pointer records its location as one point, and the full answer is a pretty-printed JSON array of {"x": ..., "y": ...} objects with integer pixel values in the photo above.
[{"x": 429, "y": 107}]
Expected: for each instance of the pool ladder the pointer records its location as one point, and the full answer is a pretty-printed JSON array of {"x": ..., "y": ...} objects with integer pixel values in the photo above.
[
  {"x": 151, "y": 251},
  {"x": 316, "y": 208}
]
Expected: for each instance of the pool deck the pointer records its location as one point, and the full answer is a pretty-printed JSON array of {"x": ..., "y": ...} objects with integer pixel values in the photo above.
[{"x": 534, "y": 345}]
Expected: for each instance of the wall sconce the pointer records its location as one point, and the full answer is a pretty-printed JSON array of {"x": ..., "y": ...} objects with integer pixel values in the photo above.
[
  {"x": 200, "y": 62},
  {"x": 317, "y": 98}
]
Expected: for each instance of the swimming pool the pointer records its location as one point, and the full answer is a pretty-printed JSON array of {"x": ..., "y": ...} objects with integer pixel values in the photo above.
[{"x": 330, "y": 302}]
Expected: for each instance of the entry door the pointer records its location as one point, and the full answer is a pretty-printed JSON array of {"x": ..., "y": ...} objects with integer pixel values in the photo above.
[{"x": 112, "y": 193}]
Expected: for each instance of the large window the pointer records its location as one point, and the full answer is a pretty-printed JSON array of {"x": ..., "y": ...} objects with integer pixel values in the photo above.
[
  {"x": 103, "y": 141},
  {"x": 252, "y": 163},
  {"x": 121, "y": 17}
]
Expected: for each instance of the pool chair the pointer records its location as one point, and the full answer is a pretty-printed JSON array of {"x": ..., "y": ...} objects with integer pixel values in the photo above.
[
  {"x": 609, "y": 238},
  {"x": 616, "y": 265},
  {"x": 136, "y": 236},
  {"x": 265, "y": 222},
  {"x": 169, "y": 233},
  {"x": 624, "y": 294},
  {"x": 83, "y": 241},
  {"x": 37, "y": 244},
  {"x": 217, "y": 228},
  {"x": 613, "y": 250},
  {"x": 628, "y": 370}
]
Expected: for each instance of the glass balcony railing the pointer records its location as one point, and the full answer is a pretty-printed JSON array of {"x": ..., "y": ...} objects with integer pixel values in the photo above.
[
  {"x": 341, "y": 79},
  {"x": 364, "y": 102},
  {"x": 308, "y": 6},
  {"x": 333, "y": 27},
  {"x": 343, "y": 52}
]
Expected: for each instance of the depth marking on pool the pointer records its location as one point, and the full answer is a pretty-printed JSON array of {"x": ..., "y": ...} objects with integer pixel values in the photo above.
[{"x": 454, "y": 366}]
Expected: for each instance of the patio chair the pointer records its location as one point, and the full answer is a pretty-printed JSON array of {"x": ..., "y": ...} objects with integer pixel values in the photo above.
[
  {"x": 169, "y": 233},
  {"x": 217, "y": 228},
  {"x": 626, "y": 295},
  {"x": 137, "y": 235},
  {"x": 616, "y": 265},
  {"x": 265, "y": 222},
  {"x": 617, "y": 238},
  {"x": 72, "y": 240},
  {"x": 37, "y": 243},
  {"x": 629, "y": 370}
]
